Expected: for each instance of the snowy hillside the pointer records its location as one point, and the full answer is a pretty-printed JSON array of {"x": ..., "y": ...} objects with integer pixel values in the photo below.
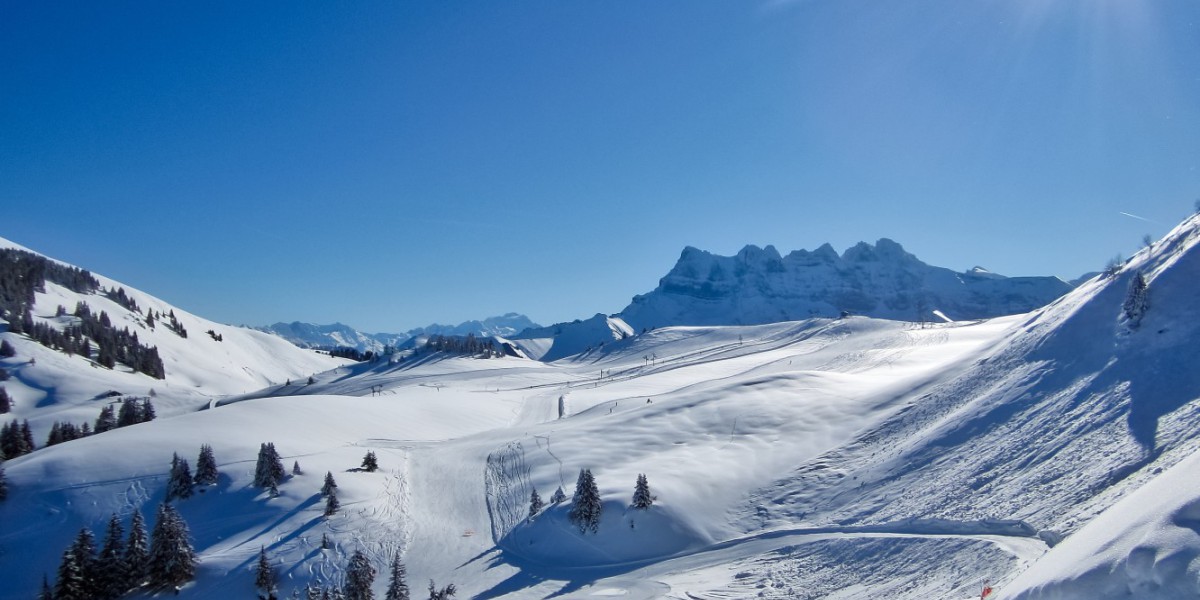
[
  {"x": 881, "y": 280},
  {"x": 853, "y": 458},
  {"x": 337, "y": 335},
  {"x": 49, "y": 385}
]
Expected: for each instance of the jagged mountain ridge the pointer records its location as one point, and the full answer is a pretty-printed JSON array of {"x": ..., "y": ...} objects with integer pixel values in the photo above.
[
  {"x": 338, "y": 335},
  {"x": 758, "y": 285}
]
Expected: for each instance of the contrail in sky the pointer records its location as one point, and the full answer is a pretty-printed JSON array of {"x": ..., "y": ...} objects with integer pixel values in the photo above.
[{"x": 1132, "y": 216}]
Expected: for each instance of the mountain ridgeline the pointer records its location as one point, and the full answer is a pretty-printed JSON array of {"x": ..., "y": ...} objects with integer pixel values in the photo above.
[
  {"x": 337, "y": 335},
  {"x": 881, "y": 280}
]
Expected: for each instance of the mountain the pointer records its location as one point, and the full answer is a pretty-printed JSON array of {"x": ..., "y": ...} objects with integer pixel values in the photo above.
[
  {"x": 1051, "y": 454},
  {"x": 881, "y": 280},
  {"x": 337, "y": 335},
  {"x": 201, "y": 361}
]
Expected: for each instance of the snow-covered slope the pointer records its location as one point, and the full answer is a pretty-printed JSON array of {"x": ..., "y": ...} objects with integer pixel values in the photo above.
[
  {"x": 49, "y": 385},
  {"x": 882, "y": 280},
  {"x": 851, "y": 458},
  {"x": 566, "y": 339},
  {"x": 337, "y": 335}
]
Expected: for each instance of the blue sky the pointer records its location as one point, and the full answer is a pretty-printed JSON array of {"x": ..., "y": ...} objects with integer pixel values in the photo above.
[{"x": 393, "y": 164}]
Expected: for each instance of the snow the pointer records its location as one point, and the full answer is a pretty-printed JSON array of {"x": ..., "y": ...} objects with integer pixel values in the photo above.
[{"x": 1049, "y": 453}]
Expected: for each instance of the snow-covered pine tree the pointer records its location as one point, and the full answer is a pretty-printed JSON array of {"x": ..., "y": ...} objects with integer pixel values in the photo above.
[
  {"x": 148, "y": 413},
  {"x": 585, "y": 505},
  {"x": 84, "y": 550},
  {"x": 641, "y": 493},
  {"x": 296, "y": 468},
  {"x": 330, "y": 486},
  {"x": 180, "y": 483},
  {"x": 359, "y": 577},
  {"x": 206, "y": 466},
  {"x": 172, "y": 559},
  {"x": 1137, "y": 301},
  {"x": 70, "y": 585},
  {"x": 535, "y": 504},
  {"x": 558, "y": 497},
  {"x": 110, "y": 566},
  {"x": 269, "y": 468},
  {"x": 398, "y": 585},
  {"x": 331, "y": 503},
  {"x": 130, "y": 413},
  {"x": 106, "y": 421},
  {"x": 264, "y": 576},
  {"x": 137, "y": 553},
  {"x": 370, "y": 464}
]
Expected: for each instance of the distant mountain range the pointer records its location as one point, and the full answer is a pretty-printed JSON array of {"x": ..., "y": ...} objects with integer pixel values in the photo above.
[{"x": 337, "y": 335}]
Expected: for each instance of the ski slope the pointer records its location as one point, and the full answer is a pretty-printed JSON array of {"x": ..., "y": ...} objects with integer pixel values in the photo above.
[{"x": 1047, "y": 453}]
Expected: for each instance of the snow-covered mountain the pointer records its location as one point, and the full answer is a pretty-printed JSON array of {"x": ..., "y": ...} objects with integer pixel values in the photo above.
[
  {"x": 881, "y": 280},
  {"x": 1049, "y": 453},
  {"x": 337, "y": 335}
]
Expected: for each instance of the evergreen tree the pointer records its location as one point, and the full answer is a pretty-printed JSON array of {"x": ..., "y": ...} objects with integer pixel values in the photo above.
[
  {"x": 1136, "y": 301},
  {"x": 5, "y": 401},
  {"x": 535, "y": 504},
  {"x": 369, "y": 463},
  {"x": 106, "y": 421},
  {"x": 84, "y": 550},
  {"x": 110, "y": 566},
  {"x": 443, "y": 594},
  {"x": 27, "y": 445},
  {"x": 296, "y": 468},
  {"x": 331, "y": 503},
  {"x": 148, "y": 413},
  {"x": 130, "y": 413},
  {"x": 180, "y": 483},
  {"x": 398, "y": 586},
  {"x": 206, "y": 466},
  {"x": 3, "y": 482},
  {"x": 70, "y": 585},
  {"x": 172, "y": 559},
  {"x": 137, "y": 554},
  {"x": 586, "y": 505},
  {"x": 558, "y": 497},
  {"x": 7, "y": 350},
  {"x": 47, "y": 591},
  {"x": 269, "y": 468},
  {"x": 330, "y": 486},
  {"x": 359, "y": 577},
  {"x": 264, "y": 577},
  {"x": 325, "y": 545},
  {"x": 641, "y": 493}
]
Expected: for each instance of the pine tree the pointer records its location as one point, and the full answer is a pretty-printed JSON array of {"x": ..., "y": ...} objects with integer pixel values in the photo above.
[
  {"x": 110, "y": 566},
  {"x": 1136, "y": 301},
  {"x": 84, "y": 550},
  {"x": 5, "y": 401},
  {"x": 264, "y": 577},
  {"x": 331, "y": 503},
  {"x": 296, "y": 468},
  {"x": 558, "y": 497},
  {"x": 398, "y": 585},
  {"x": 586, "y": 505},
  {"x": 70, "y": 585},
  {"x": 47, "y": 591},
  {"x": 3, "y": 482},
  {"x": 206, "y": 466},
  {"x": 180, "y": 483},
  {"x": 106, "y": 421},
  {"x": 359, "y": 577},
  {"x": 6, "y": 350},
  {"x": 137, "y": 555},
  {"x": 325, "y": 545},
  {"x": 269, "y": 468},
  {"x": 27, "y": 445},
  {"x": 172, "y": 559},
  {"x": 330, "y": 486},
  {"x": 641, "y": 493},
  {"x": 369, "y": 463},
  {"x": 148, "y": 413},
  {"x": 443, "y": 594},
  {"x": 535, "y": 504},
  {"x": 130, "y": 413}
]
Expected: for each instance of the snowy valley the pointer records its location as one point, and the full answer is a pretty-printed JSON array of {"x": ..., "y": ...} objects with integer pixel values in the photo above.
[{"x": 1048, "y": 453}]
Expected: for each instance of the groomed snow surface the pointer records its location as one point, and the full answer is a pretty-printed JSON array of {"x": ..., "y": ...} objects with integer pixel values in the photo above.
[{"x": 1051, "y": 454}]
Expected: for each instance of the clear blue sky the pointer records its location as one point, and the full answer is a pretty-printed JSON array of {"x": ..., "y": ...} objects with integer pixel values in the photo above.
[{"x": 392, "y": 164}]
